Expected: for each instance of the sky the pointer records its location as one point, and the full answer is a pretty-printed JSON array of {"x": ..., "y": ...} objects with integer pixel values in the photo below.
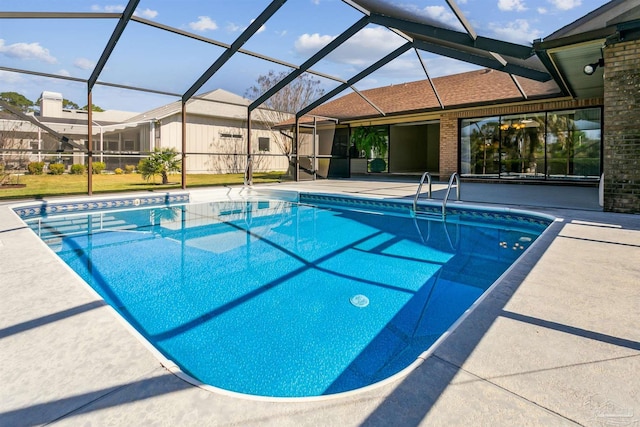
[{"x": 153, "y": 59}]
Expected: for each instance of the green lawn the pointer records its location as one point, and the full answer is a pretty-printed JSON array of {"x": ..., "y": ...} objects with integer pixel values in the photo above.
[{"x": 62, "y": 185}]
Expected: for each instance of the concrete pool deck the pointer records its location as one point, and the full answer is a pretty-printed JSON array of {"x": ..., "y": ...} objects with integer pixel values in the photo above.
[{"x": 557, "y": 342}]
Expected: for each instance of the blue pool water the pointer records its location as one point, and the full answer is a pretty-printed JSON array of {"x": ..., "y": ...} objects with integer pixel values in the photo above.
[{"x": 275, "y": 298}]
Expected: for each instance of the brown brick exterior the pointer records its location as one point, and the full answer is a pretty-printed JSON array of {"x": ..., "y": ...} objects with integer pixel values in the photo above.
[
  {"x": 622, "y": 127},
  {"x": 448, "y": 146}
]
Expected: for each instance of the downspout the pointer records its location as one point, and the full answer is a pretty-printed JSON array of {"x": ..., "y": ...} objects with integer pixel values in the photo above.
[
  {"x": 101, "y": 142},
  {"x": 39, "y": 145}
]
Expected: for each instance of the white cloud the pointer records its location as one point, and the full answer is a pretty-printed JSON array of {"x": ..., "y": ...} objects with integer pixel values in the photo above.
[
  {"x": 204, "y": 23},
  {"x": 147, "y": 13},
  {"x": 518, "y": 31},
  {"x": 308, "y": 44},
  {"x": 118, "y": 8},
  {"x": 364, "y": 48},
  {"x": 565, "y": 4},
  {"x": 114, "y": 8},
  {"x": 232, "y": 28},
  {"x": 368, "y": 45},
  {"x": 542, "y": 10},
  {"x": 64, "y": 72},
  {"x": 27, "y": 51},
  {"x": 84, "y": 64},
  {"x": 440, "y": 14},
  {"x": 512, "y": 5}
]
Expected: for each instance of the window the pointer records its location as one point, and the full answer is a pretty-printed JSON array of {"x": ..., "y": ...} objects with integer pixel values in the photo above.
[
  {"x": 263, "y": 144},
  {"x": 111, "y": 145},
  {"x": 230, "y": 135},
  {"x": 544, "y": 145},
  {"x": 130, "y": 145}
]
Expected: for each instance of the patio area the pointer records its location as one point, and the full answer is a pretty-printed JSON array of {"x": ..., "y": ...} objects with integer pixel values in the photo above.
[{"x": 555, "y": 343}]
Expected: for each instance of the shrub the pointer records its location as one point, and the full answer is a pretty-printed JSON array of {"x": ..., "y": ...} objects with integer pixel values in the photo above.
[
  {"x": 56, "y": 168},
  {"x": 129, "y": 168},
  {"x": 77, "y": 169},
  {"x": 98, "y": 167},
  {"x": 160, "y": 162},
  {"x": 118, "y": 171},
  {"x": 35, "y": 168}
]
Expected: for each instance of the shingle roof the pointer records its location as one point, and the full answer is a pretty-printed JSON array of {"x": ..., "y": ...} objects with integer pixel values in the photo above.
[{"x": 481, "y": 87}]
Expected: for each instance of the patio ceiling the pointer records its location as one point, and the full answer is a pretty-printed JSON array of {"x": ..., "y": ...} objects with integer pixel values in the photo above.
[{"x": 566, "y": 52}]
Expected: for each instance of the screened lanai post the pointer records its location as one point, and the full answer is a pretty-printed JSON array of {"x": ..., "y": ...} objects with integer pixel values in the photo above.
[
  {"x": 184, "y": 146},
  {"x": 296, "y": 146},
  {"x": 104, "y": 57},
  {"x": 90, "y": 144},
  {"x": 248, "y": 172}
]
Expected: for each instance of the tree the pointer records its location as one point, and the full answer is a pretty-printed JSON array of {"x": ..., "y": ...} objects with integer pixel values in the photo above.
[
  {"x": 94, "y": 107},
  {"x": 371, "y": 140},
  {"x": 280, "y": 107},
  {"x": 18, "y": 100},
  {"x": 69, "y": 105},
  {"x": 160, "y": 162}
]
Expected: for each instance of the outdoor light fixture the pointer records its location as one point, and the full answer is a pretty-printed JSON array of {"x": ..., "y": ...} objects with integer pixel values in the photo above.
[{"x": 591, "y": 68}]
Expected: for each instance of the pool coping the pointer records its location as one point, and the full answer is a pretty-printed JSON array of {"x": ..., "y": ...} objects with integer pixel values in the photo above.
[{"x": 404, "y": 401}]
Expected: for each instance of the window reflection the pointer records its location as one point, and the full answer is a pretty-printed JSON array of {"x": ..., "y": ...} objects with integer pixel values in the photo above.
[{"x": 553, "y": 145}]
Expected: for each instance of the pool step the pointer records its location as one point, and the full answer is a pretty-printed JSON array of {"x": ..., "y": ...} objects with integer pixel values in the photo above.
[{"x": 51, "y": 230}]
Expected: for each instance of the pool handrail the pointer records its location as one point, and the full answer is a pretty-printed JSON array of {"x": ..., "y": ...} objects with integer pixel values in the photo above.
[
  {"x": 454, "y": 177},
  {"x": 426, "y": 175}
]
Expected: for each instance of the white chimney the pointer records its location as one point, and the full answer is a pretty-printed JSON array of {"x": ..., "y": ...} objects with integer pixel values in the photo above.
[{"x": 51, "y": 104}]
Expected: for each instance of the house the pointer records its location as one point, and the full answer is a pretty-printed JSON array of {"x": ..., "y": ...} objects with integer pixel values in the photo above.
[
  {"x": 216, "y": 134},
  {"x": 580, "y": 127}
]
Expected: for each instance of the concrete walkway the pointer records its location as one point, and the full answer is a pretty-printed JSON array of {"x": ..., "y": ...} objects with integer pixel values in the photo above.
[{"x": 557, "y": 341}]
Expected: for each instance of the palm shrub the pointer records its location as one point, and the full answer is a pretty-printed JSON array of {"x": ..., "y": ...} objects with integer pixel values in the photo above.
[{"x": 161, "y": 162}]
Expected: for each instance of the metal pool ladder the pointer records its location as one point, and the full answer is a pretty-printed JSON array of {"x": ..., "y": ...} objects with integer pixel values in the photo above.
[
  {"x": 426, "y": 175},
  {"x": 455, "y": 179}
]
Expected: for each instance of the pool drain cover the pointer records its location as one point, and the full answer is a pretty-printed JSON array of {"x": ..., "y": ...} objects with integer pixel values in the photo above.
[{"x": 359, "y": 300}]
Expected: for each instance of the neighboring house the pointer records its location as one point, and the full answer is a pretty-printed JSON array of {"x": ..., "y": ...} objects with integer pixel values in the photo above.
[{"x": 216, "y": 133}]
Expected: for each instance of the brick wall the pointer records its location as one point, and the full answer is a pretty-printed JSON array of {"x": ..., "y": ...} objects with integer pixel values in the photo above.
[
  {"x": 622, "y": 127},
  {"x": 448, "y": 146}
]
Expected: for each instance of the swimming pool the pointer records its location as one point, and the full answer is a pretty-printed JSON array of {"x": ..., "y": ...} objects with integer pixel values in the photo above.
[{"x": 289, "y": 298}]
